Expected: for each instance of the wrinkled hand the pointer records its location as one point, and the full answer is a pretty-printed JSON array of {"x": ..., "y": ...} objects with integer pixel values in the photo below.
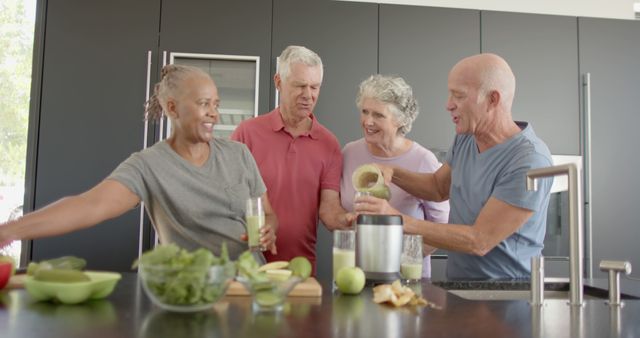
[
  {"x": 387, "y": 172},
  {"x": 5, "y": 240},
  {"x": 350, "y": 218},
  {"x": 373, "y": 205}
]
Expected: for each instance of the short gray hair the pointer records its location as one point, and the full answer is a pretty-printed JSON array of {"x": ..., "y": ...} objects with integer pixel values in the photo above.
[
  {"x": 297, "y": 54},
  {"x": 396, "y": 93}
]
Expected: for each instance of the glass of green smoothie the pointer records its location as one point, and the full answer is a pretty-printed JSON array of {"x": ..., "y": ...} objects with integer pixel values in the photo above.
[
  {"x": 344, "y": 250},
  {"x": 254, "y": 215},
  {"x": 411, "y": 260}
]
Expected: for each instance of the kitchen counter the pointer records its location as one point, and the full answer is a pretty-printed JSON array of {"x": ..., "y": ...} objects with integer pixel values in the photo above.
[{"x": 129, "y": 313}]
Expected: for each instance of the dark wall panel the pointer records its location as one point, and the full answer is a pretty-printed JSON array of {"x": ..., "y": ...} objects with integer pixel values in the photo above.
[
  {"x": 345, "y": 36},
  {"x": 91, "y": 115},
  {"x": 421, "y": 44}
]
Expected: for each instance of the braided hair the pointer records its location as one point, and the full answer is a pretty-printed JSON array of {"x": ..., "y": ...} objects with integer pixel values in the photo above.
[{"x": 172, "y": 77}]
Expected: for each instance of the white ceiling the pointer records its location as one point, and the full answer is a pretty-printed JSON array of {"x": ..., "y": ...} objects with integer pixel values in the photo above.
[{"x": 616, "y": 9}]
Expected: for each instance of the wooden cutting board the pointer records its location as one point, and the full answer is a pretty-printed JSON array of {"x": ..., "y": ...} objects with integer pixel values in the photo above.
[{"x": 309, "y": 288}]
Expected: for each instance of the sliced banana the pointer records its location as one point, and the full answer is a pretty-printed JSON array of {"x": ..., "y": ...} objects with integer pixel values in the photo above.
[
  {"x": 274, "y": 266},
  {"x": 278, "y": 274}
]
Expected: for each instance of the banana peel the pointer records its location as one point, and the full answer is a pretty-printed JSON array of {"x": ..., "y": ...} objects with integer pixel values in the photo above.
[{"x": 397, "y": 295}]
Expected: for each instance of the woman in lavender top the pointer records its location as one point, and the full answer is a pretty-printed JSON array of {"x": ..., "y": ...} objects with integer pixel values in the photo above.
[{"x": 387, "y": 110}]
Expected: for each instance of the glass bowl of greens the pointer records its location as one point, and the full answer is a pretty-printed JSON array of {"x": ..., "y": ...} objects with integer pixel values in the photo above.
[
  {"x": 183, "y": 281},
  {"x": 268, "y": 289}
]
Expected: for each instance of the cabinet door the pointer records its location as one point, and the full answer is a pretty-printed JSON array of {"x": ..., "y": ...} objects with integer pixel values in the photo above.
[
  {"x": 421, "y": 44},
  {"x": 229, "y": 27},
  {"x": 610, "y": 52},
  {"x": 91, "y": 116},
  {"x": 344, "y": 34},
  {"x": 541, "y": 50}
]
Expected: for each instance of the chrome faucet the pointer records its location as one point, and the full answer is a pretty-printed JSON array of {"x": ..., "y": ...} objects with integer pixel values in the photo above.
[{"x": 575, "y": 223}]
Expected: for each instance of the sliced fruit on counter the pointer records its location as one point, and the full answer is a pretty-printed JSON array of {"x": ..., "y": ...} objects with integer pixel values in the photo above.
[
  {"x": 274, "y": 266},
  {"x": 268, "y": 298},
  {"x": 278, "y": 274},
  {"x": 301, "y": 267}
]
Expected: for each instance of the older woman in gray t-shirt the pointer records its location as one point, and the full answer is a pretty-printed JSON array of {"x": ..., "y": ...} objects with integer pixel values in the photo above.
[{"x": 194, "y": 186}]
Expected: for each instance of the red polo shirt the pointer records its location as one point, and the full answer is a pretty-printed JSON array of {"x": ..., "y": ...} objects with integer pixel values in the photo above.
[{"x": 295, "y": 170}]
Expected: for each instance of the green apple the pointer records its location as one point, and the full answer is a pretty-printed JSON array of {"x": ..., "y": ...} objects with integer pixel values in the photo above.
[
  {"x": 350, "y": 280},
  {"x": 301, "y": 267}
]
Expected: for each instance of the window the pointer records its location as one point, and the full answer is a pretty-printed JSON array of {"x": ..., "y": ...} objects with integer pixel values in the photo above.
[{"x": 17, "y": 22}]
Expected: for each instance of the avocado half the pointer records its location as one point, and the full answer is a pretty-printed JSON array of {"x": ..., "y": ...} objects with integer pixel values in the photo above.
[{"x": 368, "y": 178}]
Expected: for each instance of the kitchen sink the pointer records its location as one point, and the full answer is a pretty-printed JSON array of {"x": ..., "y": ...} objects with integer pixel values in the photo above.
[
  {"x": 513, "y": 294},
  {"x": 555, "y": 288}
]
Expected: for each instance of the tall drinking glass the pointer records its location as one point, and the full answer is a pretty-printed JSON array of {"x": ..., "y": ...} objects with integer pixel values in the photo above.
[
  {"x": 360, "y": 194},
  {"x": 344, "y": 250},
  {"x": 411, "y": 261},
  {"x": 254, "y": 215}
]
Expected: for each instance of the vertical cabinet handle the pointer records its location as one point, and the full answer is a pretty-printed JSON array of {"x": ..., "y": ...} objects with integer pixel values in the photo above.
[
  {"x": 144, "y": 146},
  {"x": 586, "y": 153},
  {"x": 276, "y": 98},
  {"x": 163, "y": 118}
]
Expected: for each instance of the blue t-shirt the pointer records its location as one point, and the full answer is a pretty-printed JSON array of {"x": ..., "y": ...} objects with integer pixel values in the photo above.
[{"x": 498, "y": 172}]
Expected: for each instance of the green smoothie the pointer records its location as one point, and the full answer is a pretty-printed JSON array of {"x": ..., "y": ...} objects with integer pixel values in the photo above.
[
  {"x": 342, "y": 258},
  {"x": 411, "y": 270},
  {"x": 254, "y": 223}
]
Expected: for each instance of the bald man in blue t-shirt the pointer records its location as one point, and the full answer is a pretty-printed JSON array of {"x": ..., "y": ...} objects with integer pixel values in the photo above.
[{"x": 495, "y": 224}]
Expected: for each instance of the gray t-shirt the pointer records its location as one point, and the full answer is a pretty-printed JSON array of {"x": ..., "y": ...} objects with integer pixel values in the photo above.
[
  {"x": 195, "y": 206},
  {"x": 498, "y": 172}
]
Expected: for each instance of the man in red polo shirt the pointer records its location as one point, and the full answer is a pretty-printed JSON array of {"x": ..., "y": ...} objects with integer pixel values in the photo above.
[{"x": 299, "y": 159}]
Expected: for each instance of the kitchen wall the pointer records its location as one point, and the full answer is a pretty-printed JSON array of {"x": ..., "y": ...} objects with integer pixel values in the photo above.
[{"x": 93, "y": 75}]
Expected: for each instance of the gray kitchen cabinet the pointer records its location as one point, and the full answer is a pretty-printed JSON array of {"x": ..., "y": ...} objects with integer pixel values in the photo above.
[
  {"x": 345, "y": 36},
  {"x": 610, "y": 53},
  {"x": 541, "y": 50},
  {"x": 91, "y": 116},
  {"x": 421, "y": 44},
  {"x": 228, "y": 27}
]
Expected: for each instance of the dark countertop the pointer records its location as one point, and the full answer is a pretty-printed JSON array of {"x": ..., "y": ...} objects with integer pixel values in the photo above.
[{"x": 128, "y": 313}]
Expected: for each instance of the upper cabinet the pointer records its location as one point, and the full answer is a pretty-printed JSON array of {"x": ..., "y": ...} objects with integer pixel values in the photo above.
[
  {"x": 421, "y": 44},
  {"x": 239, "y": 29},
  {"x": 344, "y": 34},
  {"x": 610, "y": 54},
  {"x": 542, "y": 51}
]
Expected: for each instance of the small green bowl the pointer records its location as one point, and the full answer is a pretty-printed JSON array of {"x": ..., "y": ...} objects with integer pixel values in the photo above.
[
  {"x": 100, "y": 286},
  {"x": 269, "y": 295}
]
